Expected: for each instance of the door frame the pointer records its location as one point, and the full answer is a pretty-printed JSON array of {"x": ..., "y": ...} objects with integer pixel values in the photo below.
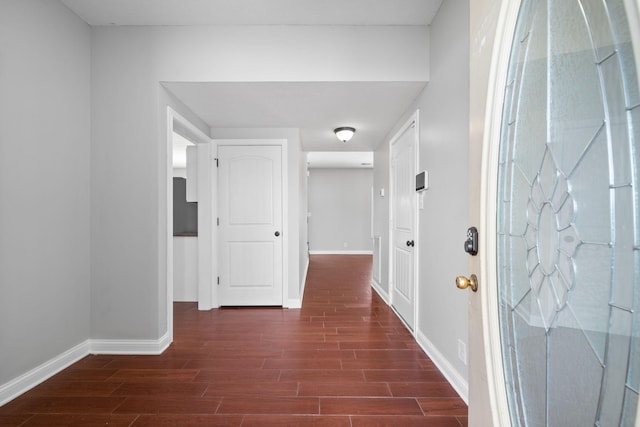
[
  {"x": 207, "y": 233},
  {"x": 488, "y": 198},
  {"x": 282, "y": 143},
  {"x": 179, "y": 124},
  {"x": 505, "y": 31},
  {"x": 413, "y": 120}
]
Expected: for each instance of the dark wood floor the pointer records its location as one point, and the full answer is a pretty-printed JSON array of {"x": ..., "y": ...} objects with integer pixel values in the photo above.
[{"x": 344, "y": 359}]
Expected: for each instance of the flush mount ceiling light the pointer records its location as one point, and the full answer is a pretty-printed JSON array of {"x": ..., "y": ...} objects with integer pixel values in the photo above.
[{"x": 344, "y": 133}]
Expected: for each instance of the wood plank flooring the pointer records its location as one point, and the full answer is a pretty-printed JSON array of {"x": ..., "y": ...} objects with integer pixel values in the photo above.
[{"x": 344, "y": 359}]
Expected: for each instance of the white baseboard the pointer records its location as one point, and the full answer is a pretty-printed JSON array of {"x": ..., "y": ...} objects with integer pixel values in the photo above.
[
  {"x": 41, "y": 373},
  {"x": 341, "y": 252},
  {"x": 381, "y": 292},
  {"x": 460, "y": 385},
  {"x": 297, "y": 302},
  {"x": 294, "y": 303},
  {"x": 130, "y": 346}
]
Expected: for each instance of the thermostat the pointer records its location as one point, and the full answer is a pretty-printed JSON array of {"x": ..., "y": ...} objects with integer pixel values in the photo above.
[{"x": 422, "y": 181}]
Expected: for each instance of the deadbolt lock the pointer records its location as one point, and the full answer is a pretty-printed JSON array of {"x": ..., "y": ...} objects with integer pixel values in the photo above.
[{"x": 471, "y": 244}]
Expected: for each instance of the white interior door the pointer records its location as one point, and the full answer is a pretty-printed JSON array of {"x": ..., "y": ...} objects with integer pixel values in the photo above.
[
  {"x": 560, "y": 270},
  {"x": 250, "y": 225},
  {"x": 403, "y": 228}
]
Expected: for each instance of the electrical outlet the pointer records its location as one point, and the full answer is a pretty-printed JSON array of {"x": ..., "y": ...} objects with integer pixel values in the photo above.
[
  {"x": 462, "y": 351},
  {"x": 345, "y": 244}
]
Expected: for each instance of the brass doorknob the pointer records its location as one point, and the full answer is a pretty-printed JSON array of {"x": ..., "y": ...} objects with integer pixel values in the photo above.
[{"x": 463, "y": 283}]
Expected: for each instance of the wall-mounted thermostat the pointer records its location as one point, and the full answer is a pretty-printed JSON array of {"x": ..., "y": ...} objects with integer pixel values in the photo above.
[{"x": 422, "y": 181}]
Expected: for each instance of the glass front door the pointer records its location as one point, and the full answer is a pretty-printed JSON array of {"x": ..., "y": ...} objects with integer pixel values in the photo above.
[{"x": 568, "y": 217}]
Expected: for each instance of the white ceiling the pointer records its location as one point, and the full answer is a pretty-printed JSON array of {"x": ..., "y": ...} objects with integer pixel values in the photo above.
[
  {"x": 316, "y": 108},
  {"x": 255, "y": 12}
]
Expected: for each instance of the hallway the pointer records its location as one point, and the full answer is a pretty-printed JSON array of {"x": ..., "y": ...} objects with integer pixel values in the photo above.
[{"x": 343, "y": 359}]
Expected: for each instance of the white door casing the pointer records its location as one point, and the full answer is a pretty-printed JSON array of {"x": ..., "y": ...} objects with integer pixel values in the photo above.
[
  {"x": 175, "y": 122},
  {"x": 403, "y": 215},
  {"x": 505, "y": 14},
  {"x": 250, "y": 232}
]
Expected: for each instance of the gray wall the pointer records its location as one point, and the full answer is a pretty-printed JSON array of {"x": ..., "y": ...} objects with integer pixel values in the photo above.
[
  {"x": 340, "y": 207},
  {"x": 44, "y": 183},
  {"x": 88, "y": 172},
  {"x": 125, "y": 175},
  {"x": 128, "y": 183},
  {"x": 444, "y": 144}
]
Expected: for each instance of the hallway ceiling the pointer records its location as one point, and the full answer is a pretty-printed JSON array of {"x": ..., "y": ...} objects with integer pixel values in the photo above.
[
  {"x": 316, "y": 108},
  {"x": 255, "y": 12}
]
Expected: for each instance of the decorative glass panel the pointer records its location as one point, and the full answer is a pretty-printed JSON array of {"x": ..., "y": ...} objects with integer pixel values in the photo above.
[{"x": 569, "y": 218}]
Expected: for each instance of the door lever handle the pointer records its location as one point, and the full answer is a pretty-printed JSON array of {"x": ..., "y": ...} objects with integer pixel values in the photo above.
[{"x": 410, "y": 243}]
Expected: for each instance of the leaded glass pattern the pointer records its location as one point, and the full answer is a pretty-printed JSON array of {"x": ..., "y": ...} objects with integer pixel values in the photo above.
[{"x": 568, "y": 217}]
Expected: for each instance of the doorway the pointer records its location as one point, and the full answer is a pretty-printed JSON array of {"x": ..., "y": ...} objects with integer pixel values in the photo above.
[
  {"x": 178, "y": 124},
  {"x": 339, "y": 202}
]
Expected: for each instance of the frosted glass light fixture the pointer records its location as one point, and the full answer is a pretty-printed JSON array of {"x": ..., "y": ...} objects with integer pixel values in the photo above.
[{"x": 344, "y": 133}]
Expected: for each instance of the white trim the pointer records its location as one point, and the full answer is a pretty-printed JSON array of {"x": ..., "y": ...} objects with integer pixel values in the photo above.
[
  {"x": 169, "y": 215},
  {"x": 55, "y": 365},
  {"x": 297, "y": 302},
  {"x": 293, "y": 303},
  {"x": 207, "y": 267},
  {"x": 633, "y": 16},
  {"x": 178, "y": 123},
  {"x": 41, "y": 373},
  {"x": 488, "y": 198},
  {"x": 459, "y": 383},
  {"x": 381, "y": 292},
  {"x": 150, "y": 347},
  {"x": 368, "y": 252},
  {"x": 284, "y": 153}
]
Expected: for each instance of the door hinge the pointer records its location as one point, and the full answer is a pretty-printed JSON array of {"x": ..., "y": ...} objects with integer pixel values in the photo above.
[
  {"x": 218, "y": 280},
  {"x": 216, "y": 159},
  {"x": 218, "y": 221}
]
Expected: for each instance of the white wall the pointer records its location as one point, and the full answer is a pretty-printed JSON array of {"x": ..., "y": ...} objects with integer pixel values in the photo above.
[
  {"x": 444, "y": 144},
  {"x": 288, "y": 53},
  {"x": 185, "y": 268},
  {"x": 340, "y": 207},
  {"x": 44, "y": 183},
  {"x": 128, "y": 155}
]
